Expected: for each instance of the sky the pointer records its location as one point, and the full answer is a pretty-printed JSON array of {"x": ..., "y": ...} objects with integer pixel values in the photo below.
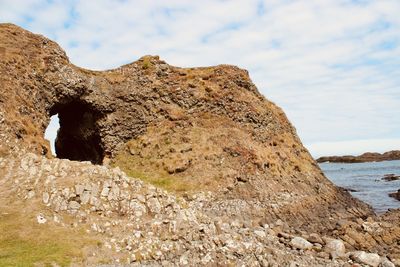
[{"x": 332, "y": 65}]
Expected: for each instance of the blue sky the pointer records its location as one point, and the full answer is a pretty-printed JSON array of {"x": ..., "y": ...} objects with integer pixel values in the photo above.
[{"x": 332, "y": 65}]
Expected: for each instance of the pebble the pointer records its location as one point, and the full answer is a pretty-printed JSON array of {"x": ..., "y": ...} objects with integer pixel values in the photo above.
[{"x": 41, "y": 219}]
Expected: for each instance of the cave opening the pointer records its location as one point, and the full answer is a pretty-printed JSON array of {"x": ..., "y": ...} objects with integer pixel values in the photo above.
[
  {"x": 78, "y": 137},
  {"x": 51, "y": 132}
]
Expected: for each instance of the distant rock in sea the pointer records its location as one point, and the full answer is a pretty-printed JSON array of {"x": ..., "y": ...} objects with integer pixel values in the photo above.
[
  {"x": 395, "y": 195},
  {"x": 391, "y": 177},
  {"x": 366, "y": 157}
]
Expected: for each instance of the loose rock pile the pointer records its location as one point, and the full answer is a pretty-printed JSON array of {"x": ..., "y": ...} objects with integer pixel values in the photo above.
[{"x": 141, "y": 224}]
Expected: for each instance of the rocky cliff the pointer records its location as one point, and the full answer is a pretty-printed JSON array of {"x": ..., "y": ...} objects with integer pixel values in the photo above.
[{"x": 206, "y": 135}]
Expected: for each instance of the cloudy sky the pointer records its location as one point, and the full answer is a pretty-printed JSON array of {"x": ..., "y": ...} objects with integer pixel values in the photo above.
[{"x": 332, "y": 65}]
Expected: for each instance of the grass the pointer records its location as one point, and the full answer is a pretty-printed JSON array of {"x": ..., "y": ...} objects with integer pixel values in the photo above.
[
  {"x": 24, "y": 242},
  {"x": 155, "y": 177},
  {"x": 146, "y": 63},
  {"x": 164, "y": 181}
]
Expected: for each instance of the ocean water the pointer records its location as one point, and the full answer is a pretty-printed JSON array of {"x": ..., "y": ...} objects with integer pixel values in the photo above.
[{"x": 366, "y": 179}]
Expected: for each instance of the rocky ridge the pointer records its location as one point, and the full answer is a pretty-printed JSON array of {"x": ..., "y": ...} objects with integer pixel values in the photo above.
[{"x": 365, "y": 157}]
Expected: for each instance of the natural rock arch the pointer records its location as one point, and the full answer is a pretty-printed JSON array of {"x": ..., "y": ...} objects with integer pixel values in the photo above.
[{"x": 205, "y": 126}]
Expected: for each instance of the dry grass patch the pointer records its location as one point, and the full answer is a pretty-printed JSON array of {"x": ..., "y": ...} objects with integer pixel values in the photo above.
[
  {"x": 24, "y": 242},
  {"x": 155, "y": 177}
]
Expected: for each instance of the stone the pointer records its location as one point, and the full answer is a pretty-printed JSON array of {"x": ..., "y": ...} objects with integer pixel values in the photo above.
[
  {"x": 105, "y": 191},
  {"x": 41, "y": 219},
  {"x": 85, "y": 197},
  {"x": 315, "y": 238},
  {"x": 30, "y": 194},
  {"x": 137, "y": 208},
  {"x": 79, "y": 189},
  {"x": 45, "y": 197},
  {"x": 335, "y": 246},
  {"x": 132, "y": 151},
  {"x": 73, "y": 205},
  {"x": 386, "y": 263},
  {"x": 184, "y": 259},
  {"x": 300, "y": 243},
  {"x": 56, "y": 219},
  {"x": 371, "y": 259},
  {"x": 114, "y": 193},
  {"x": 154, "y": 205},
  {"x": 260, "y": 233}
]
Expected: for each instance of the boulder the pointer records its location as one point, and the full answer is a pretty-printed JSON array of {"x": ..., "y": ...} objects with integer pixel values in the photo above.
[
  {"x": 300, "y": 243},
  {"x": 336, "y": 246},
  {"x": 386, "y": 263},
  {"x": 371, "y": 259}
]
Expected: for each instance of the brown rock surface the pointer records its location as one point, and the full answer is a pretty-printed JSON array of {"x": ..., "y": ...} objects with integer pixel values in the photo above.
[
  {"x": 366, "y": 157},
  {"x": 182, "y": 129},
  {"x": 378, "y": 235}
]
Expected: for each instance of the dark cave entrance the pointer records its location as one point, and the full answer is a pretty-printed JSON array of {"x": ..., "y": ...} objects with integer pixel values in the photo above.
[{"x": 78, "y": 137}]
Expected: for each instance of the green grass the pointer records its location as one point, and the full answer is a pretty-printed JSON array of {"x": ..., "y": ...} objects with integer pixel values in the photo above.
[
  {"x": 146, "y": 63},
  {"x": 150, "y": 174},
  {"x": 166, "y": 182},
  {"x": 20, "y": 252},
  {"x": 23, "y": 242}
]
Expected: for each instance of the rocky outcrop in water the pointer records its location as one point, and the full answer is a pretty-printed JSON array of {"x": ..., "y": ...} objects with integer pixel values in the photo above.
[
  {"x": 395, "y": 195},
  {"x": 366, "y": 157},
  {"x": 390, "y": 177}
]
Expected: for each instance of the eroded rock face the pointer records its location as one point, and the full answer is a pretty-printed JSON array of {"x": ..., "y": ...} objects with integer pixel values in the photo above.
[{"x": 202, "y": 128}]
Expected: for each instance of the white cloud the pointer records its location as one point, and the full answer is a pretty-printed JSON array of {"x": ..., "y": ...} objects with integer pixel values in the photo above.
[{"x": 332, "y": 65}]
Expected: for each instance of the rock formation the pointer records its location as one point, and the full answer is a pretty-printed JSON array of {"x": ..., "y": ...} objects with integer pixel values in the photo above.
[
  {"x": 395, "y": 195},
  {"x": 205, "y": 128},
  {"x": 231, "y": 161},
  {"x": 366, "y": 157}
]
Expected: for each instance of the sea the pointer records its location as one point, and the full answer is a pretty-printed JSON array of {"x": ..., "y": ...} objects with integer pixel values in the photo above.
[{"x": 365, "y": 179}]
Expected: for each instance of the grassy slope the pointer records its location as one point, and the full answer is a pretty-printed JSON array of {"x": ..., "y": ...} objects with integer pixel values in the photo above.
[{"x": 24, "y": 242}]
